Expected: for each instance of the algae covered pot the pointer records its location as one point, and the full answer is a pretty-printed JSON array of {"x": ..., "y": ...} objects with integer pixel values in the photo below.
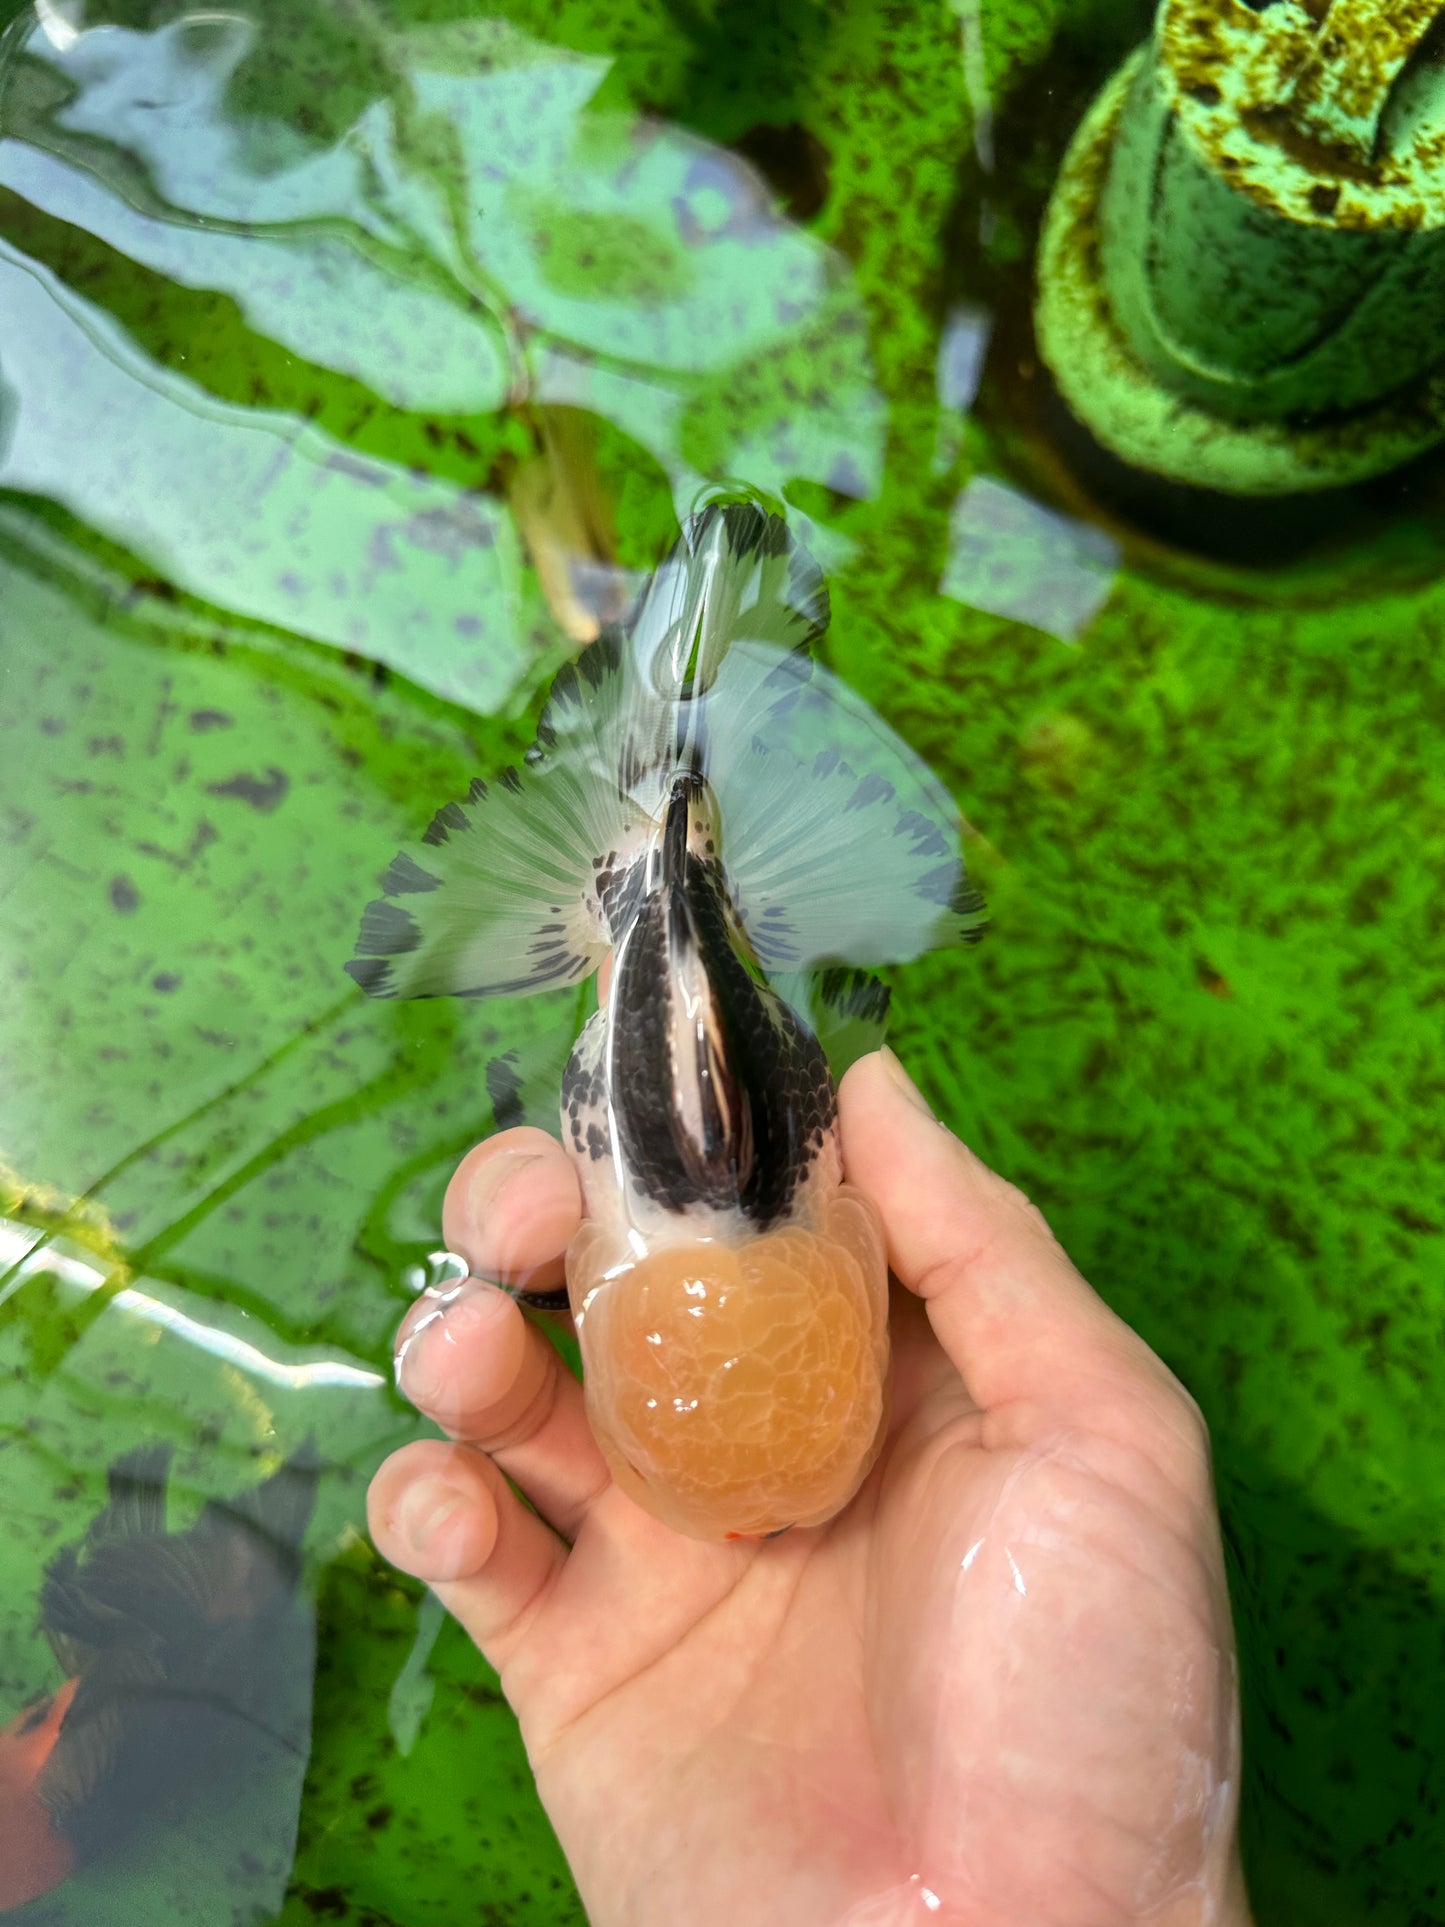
[
  {"x": 1243, "y": 261},
  {"x": 743, "y": 837}
]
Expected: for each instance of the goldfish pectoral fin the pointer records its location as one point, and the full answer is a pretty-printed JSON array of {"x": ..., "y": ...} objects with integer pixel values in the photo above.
[
  {"x": 522, "y": 1081},
  {"x": 846, "y": 1010},
  {"x": 73, "y": 1620},
  {"x": 126, "y": 1591},
  {"x": 503, "y": 896}
]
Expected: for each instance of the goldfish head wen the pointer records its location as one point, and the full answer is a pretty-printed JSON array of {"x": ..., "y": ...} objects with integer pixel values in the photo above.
[{"x": 744, "y": 837}]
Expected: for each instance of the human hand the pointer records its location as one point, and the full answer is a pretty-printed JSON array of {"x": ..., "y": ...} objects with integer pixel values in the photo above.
[{"x": 998, "y": 1690}]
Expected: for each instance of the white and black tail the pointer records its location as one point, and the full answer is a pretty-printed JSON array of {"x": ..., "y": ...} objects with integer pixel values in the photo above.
[{"x": 839, "y": 846}]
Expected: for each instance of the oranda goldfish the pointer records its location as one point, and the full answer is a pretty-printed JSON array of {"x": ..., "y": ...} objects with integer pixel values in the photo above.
[
  {"x": 742, "y": 834},
  {"x": 169, "y": 1641}
]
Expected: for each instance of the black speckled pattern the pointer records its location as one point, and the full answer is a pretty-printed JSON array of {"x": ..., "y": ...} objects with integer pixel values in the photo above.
[{"x": 775, "y": 1063}]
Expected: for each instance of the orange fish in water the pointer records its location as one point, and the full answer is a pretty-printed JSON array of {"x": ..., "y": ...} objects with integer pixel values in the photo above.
[
  {"x": 172, "y": 1643},
  {"x": 33, "y": 1856}
]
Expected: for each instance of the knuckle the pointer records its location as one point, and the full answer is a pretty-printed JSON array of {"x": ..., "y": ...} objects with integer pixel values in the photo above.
[
  {"x": 537, "y": 1407},
  {"x": 1017, "y": 1205},
  {"x": 1193, "y": 1422}
]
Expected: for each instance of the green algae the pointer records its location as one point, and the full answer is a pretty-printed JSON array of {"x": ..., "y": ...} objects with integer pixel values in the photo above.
[{"x": 1206, "y": 800}]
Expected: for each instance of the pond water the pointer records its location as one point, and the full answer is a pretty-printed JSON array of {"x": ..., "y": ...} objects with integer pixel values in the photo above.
[{"x": 323, "y": 329}]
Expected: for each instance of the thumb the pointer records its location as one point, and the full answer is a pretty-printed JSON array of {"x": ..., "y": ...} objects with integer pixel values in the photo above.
[{"x": 1025, "y": 1331}]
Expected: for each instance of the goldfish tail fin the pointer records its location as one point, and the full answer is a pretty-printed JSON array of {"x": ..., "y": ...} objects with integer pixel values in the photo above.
[
  {"x": 74, "y": 1617},
  {"x": 73, "y": 1621},
  {"x": 840, "y": 844},
  {"x": 516, "y": 887},
  {"x": 137, "y": 1485},
  {"x": 508, "y": 891},
  {"x": 132, "y": 1583},
  {"x": 499, "y": 899},
  {"x": 278, "y": 1511}
]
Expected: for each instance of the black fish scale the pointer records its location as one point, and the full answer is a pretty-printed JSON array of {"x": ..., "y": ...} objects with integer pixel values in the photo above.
[
  {"x": 779, "y": 1064},
  {"x": 584, "y": 1094}
]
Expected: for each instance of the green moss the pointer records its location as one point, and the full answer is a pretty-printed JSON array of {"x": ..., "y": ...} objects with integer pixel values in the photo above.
[{"x": 601, "y": 257}]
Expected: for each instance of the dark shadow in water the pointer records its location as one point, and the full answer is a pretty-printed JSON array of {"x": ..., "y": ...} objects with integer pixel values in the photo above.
[
  {"x": 171, "y": 1761},
  {"x": 756, "y": 99},
  {"x": 1239, "y": 530},
  {"x": 1342, "y": 1653}
]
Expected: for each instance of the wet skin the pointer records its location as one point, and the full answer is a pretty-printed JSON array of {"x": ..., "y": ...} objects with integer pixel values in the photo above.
[{"x": 997, "y": 1691}]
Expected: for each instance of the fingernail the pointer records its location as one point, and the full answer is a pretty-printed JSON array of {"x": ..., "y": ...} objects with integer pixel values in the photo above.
[
  {"x": 455, "y": 1317},
  {"x": 479, "y": 1308},
  {"x": 416, "y": 1374},
  {"x": 489, "y": 1179},
  {"x": 428, "y": 1507},
  {"x": 904, "y": 1084}
]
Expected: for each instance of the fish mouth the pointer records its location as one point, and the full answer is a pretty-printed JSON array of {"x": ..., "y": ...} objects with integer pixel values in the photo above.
[{"x": 715, "y": 1085}]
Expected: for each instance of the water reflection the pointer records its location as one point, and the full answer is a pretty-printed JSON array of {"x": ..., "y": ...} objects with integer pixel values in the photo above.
[
  {"x": 411, "y": 345},
  {"x": 258, "y": 513},
  {"x": 181, "y": 1720},
  {"x": 1011, "y": 556},
  {"x": 165, "y": 1723},
  {"x": 25, "y": 1254},
  {"x": 962, "y": 350},
  {"x": 481, "y": 238}
]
